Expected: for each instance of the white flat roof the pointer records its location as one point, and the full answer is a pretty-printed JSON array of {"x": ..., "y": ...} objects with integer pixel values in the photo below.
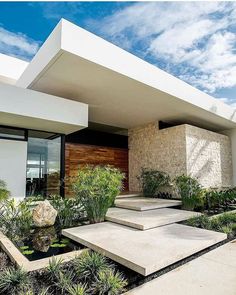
[
  {"x": 26, "y": 108},
  {"x": 121, "y": 89},
  {"x": 11, "y": 68}
]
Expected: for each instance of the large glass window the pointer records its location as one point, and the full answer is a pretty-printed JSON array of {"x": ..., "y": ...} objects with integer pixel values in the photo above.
[{"x": 43, "y": 163}]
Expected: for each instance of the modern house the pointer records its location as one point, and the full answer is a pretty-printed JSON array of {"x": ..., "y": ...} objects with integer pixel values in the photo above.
[{"x": 84, "y": 100}]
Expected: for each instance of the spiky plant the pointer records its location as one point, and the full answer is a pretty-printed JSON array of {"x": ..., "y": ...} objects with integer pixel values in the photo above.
[
  {"x": 64, "y": 280},
  {"x": 77, "y": 290},
  {"x": 13, "y": 280},
  {"x": 54, "y": 268},
  {"x": 109, "y": 282},
  {"x": 89, "y": 264}
]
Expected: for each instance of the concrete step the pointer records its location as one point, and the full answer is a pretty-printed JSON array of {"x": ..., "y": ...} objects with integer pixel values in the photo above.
[
  {"x": 144, "y": 251},
  {"x": 144, "y": 220},
  {"x": 143, "y": 204},
  {"x": 129, "y": 195}
]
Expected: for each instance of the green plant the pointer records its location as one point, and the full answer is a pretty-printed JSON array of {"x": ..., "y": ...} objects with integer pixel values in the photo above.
[
  {"x": 13, "y": 280},
  {"x": 191, "y": 192},
  {"x": 223, "y": 223},
  {"x": 89, "y": 264},
  {"x": 54, "y": 268},
  {"x": 69, "y": 210},
  {"x": 64, "y": 280},
  {"x": 4, "y": 193},
  {"x": 16, "y": 219},
  {"x": 77, "y": 290},
  {"x": 109, "y": 282},
  {"x": 96, "y": 188},
  {"x": 3, "y": 260},
  {"x": 152, "y": 181}
]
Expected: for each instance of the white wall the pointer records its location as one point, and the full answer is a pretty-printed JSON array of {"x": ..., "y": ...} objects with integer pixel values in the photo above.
[{"x": 13, "y": 157}]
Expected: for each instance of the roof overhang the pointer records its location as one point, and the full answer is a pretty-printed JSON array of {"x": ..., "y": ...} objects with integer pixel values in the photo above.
[
  {"x": 30, "y": 109},
  {"x": 121, "y": 89}
]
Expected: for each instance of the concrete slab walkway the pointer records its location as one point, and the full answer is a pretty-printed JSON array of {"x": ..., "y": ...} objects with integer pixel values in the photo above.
[
  {"x": 144, "y": 251},
  {"x": 213, "y": 273},
  {"x": 142, "y": 203},
  {"x": 148, "y": 219}
]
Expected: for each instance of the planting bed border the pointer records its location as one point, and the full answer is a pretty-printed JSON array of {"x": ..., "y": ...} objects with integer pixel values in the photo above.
[{"x": 20, "y": 260}]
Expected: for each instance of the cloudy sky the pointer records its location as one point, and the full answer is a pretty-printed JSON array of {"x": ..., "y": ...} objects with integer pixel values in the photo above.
[{"x": 195, "y": 41}]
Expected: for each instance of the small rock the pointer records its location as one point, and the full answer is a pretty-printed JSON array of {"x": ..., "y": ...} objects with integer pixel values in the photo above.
[{"x": 44, "y": 214}]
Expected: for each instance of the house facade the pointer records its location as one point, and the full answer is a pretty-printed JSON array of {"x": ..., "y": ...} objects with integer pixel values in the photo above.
[{"x": 83, "y": 100}]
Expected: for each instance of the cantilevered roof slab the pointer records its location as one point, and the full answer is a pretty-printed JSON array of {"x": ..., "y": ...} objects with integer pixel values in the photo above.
[
  {"x": 121, "y": 89},
  {"x": 29, "y": 109}
]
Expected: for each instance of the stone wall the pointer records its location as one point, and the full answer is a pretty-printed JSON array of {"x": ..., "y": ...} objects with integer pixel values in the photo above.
[
  {"x": 156, "y": 149},
  {"x": 209, "y": 157},
  {"x": 182, "y": 149}
]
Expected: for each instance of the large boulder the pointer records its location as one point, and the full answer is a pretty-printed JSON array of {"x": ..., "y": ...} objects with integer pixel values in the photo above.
[{"x": 44, "y": 214}]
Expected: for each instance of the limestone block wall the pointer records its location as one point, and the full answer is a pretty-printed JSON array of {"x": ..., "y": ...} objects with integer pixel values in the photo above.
[
  {"x": 209, "y": 157},
  {"x": 156, "y": 149},
  {"x": 182, "y": 149}
]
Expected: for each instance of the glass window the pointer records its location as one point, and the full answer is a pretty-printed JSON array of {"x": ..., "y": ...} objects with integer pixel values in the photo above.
[
  {"x": 43, "y": 163},
  {"x": 12, "y": 133}
]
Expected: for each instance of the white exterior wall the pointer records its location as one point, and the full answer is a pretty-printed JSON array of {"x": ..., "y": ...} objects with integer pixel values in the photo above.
[{"x": 13, "y": 157}]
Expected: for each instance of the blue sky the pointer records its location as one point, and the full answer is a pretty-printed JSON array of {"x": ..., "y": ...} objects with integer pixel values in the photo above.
[{"x": 195, "y": 41}]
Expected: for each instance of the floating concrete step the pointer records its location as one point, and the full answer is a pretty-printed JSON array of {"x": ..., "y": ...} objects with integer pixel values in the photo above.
[
  {"x": 128, "y": 195},
  {"x": 148, "y": 219},
  {"x": 144, "y": 251},
  {"x": 142, "y": 203}
]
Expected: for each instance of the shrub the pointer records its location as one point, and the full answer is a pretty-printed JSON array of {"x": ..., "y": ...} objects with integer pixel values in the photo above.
[
  {"x": 16, "y": 219},
  {"x": 54, "y": 268},
  {"x": 191, "y": 192},
  {"x": 13, "y": 280},
  {"x": 96, "y": 188},
  {"x": 69, "y": 211},
  {"x": 152, "y": 181},
  {"x": 89, "y": 264},
  {"x": 4, "y": 193},
  {"x": 3, "y": 260},
  {"x": 109, "y": 282}
]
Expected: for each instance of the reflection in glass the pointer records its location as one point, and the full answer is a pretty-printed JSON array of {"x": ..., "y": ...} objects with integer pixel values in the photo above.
[{"x": 43, "y": 164}]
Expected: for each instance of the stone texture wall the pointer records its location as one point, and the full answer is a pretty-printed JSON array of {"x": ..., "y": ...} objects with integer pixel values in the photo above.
[
  {"x": 182, "y": 149},
  {"x": 209, "y": 157},
  {"x": 156, "y": 149}
]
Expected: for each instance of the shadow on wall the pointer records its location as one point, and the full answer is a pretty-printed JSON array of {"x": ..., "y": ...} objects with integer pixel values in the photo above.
[{"x": 209, "y": 158}]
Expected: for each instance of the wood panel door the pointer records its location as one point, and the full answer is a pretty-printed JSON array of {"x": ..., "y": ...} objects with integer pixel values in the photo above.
[{"x": 81, "y": 154}]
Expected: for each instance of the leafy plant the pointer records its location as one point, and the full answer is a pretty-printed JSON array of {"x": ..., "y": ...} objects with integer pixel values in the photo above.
[
  {"x": 191, "y": 192},
  {"x": 89, "y": 264},
  {"x": 3, "y": 260},
  {"x": 96, "y": 188},
  {"x": 64, "y": 280},
  {"x": 28, "y": 252},
  {"x": 16, "y": 219},
  {"x": 69, "y": 210},
  {"x": 4, "y": 193},
  {"x": 109, "y": 282},
  {"x": 13, "y": 280},
  {"x": 152, "y": 181}
]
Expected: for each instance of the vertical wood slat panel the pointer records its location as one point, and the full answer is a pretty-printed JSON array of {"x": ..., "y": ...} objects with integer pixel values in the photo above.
[{"x": 81, "y": 154}]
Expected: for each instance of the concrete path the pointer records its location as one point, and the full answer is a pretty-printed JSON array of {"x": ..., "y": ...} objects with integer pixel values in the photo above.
[
  {"x": 211, "y": 274},
  {"x": 142, "y": 203},
  {"x": 148, "y": 219},
  {"x": 144, "y": 251}
]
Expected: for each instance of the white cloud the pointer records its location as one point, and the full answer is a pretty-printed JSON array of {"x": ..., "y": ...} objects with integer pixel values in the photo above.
[
  {"x": 193, "y": 40},
  {"x": 17, "y": 44}
]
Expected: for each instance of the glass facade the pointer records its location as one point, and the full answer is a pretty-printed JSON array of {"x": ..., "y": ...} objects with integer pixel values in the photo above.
[{"x": 43, "y": 163}]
